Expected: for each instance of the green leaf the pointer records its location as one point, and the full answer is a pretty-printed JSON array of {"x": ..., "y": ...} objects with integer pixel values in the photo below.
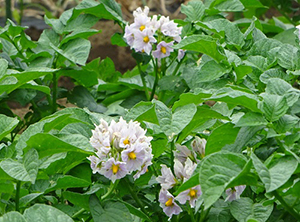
[
  {"x": 236, "y": 97},
  {"x": 81, "y": 97},
  {"x": 111, "y": 212},
  {"x": 209, "y": 71},
  {"x": 133, "y": 210},
  {"x": 28, "y": 198},
  {"x": 273, "y": 73},
  {"x": 192, "y": 182},
  {"x": 252, "y": 119},
  {"x": 77, "y": 199},
  {"x": 76, "y": 50},
  {"x": 68, "y": 181},
  {"x": 82, "y": 22},
  {"x": 3, "y": 67},
  {"x": 17, "y": 79},
  {"x": 221, "y": 136},
  {"x": 230, "y": 6},
  {"x": 204, "y": 44},
  {"x": 194, "y": 10},
  {"x": 117, "y": 39},
  {"x": 202, "y": 115},
  {"x": 219, "y": 212},
  {"x": 143, "y": 111},
  {"x": 244, "y": 209},
  {"x": 273, "y": 106},
  {"x": 7, "y": 124},
  {"x": 277, "y": 172},
  {"x": 45, "y": 213},
  {"x": 197, "y": 97},
  {"x": 43, "y": 143},
  {"x": 114, "y": 9},
  {"x": 232, "y": 33},
  {"x": 26, "y": 171},
  {"x": 12, "y": 216},
  {"x": 216, "y": 172},
  {"x": 289, "y": 57},
  {"x": 82, "y": 33}
]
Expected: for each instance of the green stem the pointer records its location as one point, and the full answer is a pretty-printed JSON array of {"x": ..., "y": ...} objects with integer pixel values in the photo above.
[
  {"x": 8, "y": 9},
  {"x": 78, "y": 213},
  {"x": 17, "y": 48},
  {"x": 18, "y": 195},
  {"x": 144, "y": 81},
  {"x": 54, "y": 93},
  {"x": 21, "y": 11},
  {"x": 177, "y": 67},
  {"x": 286, "y": 206},
  {"x": 191, "y": 213},
  {"x": 134, "y": 195},
  {"x": 110, "y": 189}
]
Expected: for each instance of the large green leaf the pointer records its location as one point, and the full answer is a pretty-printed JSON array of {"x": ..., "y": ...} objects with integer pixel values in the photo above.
[
  {"x": 111, "y": 212},
  {"x": 216, "y": 172},
  {"x": 45, "y": 213},
  {"x": 245, "y": 210},
  {"x": 3, "y": 67},
  {"x": 16, "y": 79},
  {"x": 252, "y": 119},
  {"x": 289, "y": 57},
  {"x": 221, "y": 136},
  {"x": 7, "y": 124},
  {"x": 204, "y": 44},
  {"x": 277, "y": 172},
  {"x": 273, "y": 106},
  {"x": 230, "y": 6},
  {"x": 12, "y": 216},
  {"x": 209, "y": 71},
  {"x": 194, "y": 11},
  {"x": 68, "y": 181},
  {"x": 26, "y": 171},
  {"x": 143, "y": 111},
  {"x": 219, "y": 212}
]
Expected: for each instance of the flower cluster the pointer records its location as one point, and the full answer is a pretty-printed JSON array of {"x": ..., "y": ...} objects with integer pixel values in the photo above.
[
  {"x": 183, "y": 171},
  {"x": 120, "y": 149},
  {"x": 159, "y": 33}
]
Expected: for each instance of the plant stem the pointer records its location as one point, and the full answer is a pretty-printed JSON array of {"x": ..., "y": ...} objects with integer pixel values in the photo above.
[
  {"x": 18, "y": 195},
  {"x": 8, "y": 9},
  {"x": 78, "y": 213},
  {"x": 191, "y": 213},
  {"x": 134, "y": 195},
  {"x": 54, "y": 93},
  {"x": 144, "y": 81},
  {"x": 110, "y": 189},
  {"x": 286, "y": 206},
  {"x": 21, "y": 11}
]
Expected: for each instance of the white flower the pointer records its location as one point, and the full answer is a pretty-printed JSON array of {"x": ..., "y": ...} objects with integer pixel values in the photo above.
[
  {"x": 134, "y": 156},
  {"x": 141, "y": 22},
  {"x": 113, "y": 169},
  {"x": 234, "y": 193},
  {"x": 191, "y": 195},
  {"x": 167, "y": 179},
  {"x": 169, "y": 28},
  {"x": 129, "y": 35},
  {"x": 167, "y": 203},
  {"x": 184, "y": 153},
  {"x": 143, "y": 40},
  {"x": 121, "y": 148},
  {"x": 163, "y": 50},
  {"x": 198, "y": 146},
  {"x": 139, "y": 11},
  {"x": 184, "y": 171}
]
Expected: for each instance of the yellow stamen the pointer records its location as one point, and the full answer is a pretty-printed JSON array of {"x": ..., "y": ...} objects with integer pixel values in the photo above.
[
  {"x": 142, "y": 27},
  {"x": 192, "y": 193},
  {"x": 143, "y": 50},
  {"x": 146, "y": 39},
  {"x": 163, "y": 50},
  {"x": 126, "y": 142},
  {"x": 169, "y": 202},
  {"x": 132, "y": 155},
  {"x": 115, "y": 168}
]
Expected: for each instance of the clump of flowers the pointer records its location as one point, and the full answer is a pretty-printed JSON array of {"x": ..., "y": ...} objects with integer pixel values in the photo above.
[
  {"x": 157, "y": 34},
  {"x": 182, "y": 172},
  {"x": 120, "y": 149}
]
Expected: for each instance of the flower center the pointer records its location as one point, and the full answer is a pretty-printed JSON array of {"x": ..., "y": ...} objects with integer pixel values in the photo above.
[
  {"x": 142, "y": 27},
  {"x": 163, "y": 50},
  {"x": 169, "y": 202},
  {"x": 146, "y": 39},
  {"x": 192, "y": 193},
  {"x": 126, "y": 141},
  {"x": 132, "y": 155},
  {"x": 115, "y": 168}
]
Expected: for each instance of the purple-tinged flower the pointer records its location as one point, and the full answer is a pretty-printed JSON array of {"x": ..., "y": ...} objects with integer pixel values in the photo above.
[
  {"x": 167, "y": 203},
  {"x": 147, "y": 162},
  {"x": 191, "y": 195},
  {"x": 184, "y": 153},
  {"x": 169, "y": 28},
  {"x": 198, "y": 146},
  {"x": 234, "y": 193},
  {"x": 134, "y": 156},
  {"x": 163, "y": 50},
  {"x": 181, "y": 54},
  {"x": 129, "y": 35},
  {"x": 143, "y": 40},
  {"x": 167, "y": 179},
  {"x": 141, "y": 22},
  {"x": 95, "y": 164},
  {"x": 113, "y": 169}
]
